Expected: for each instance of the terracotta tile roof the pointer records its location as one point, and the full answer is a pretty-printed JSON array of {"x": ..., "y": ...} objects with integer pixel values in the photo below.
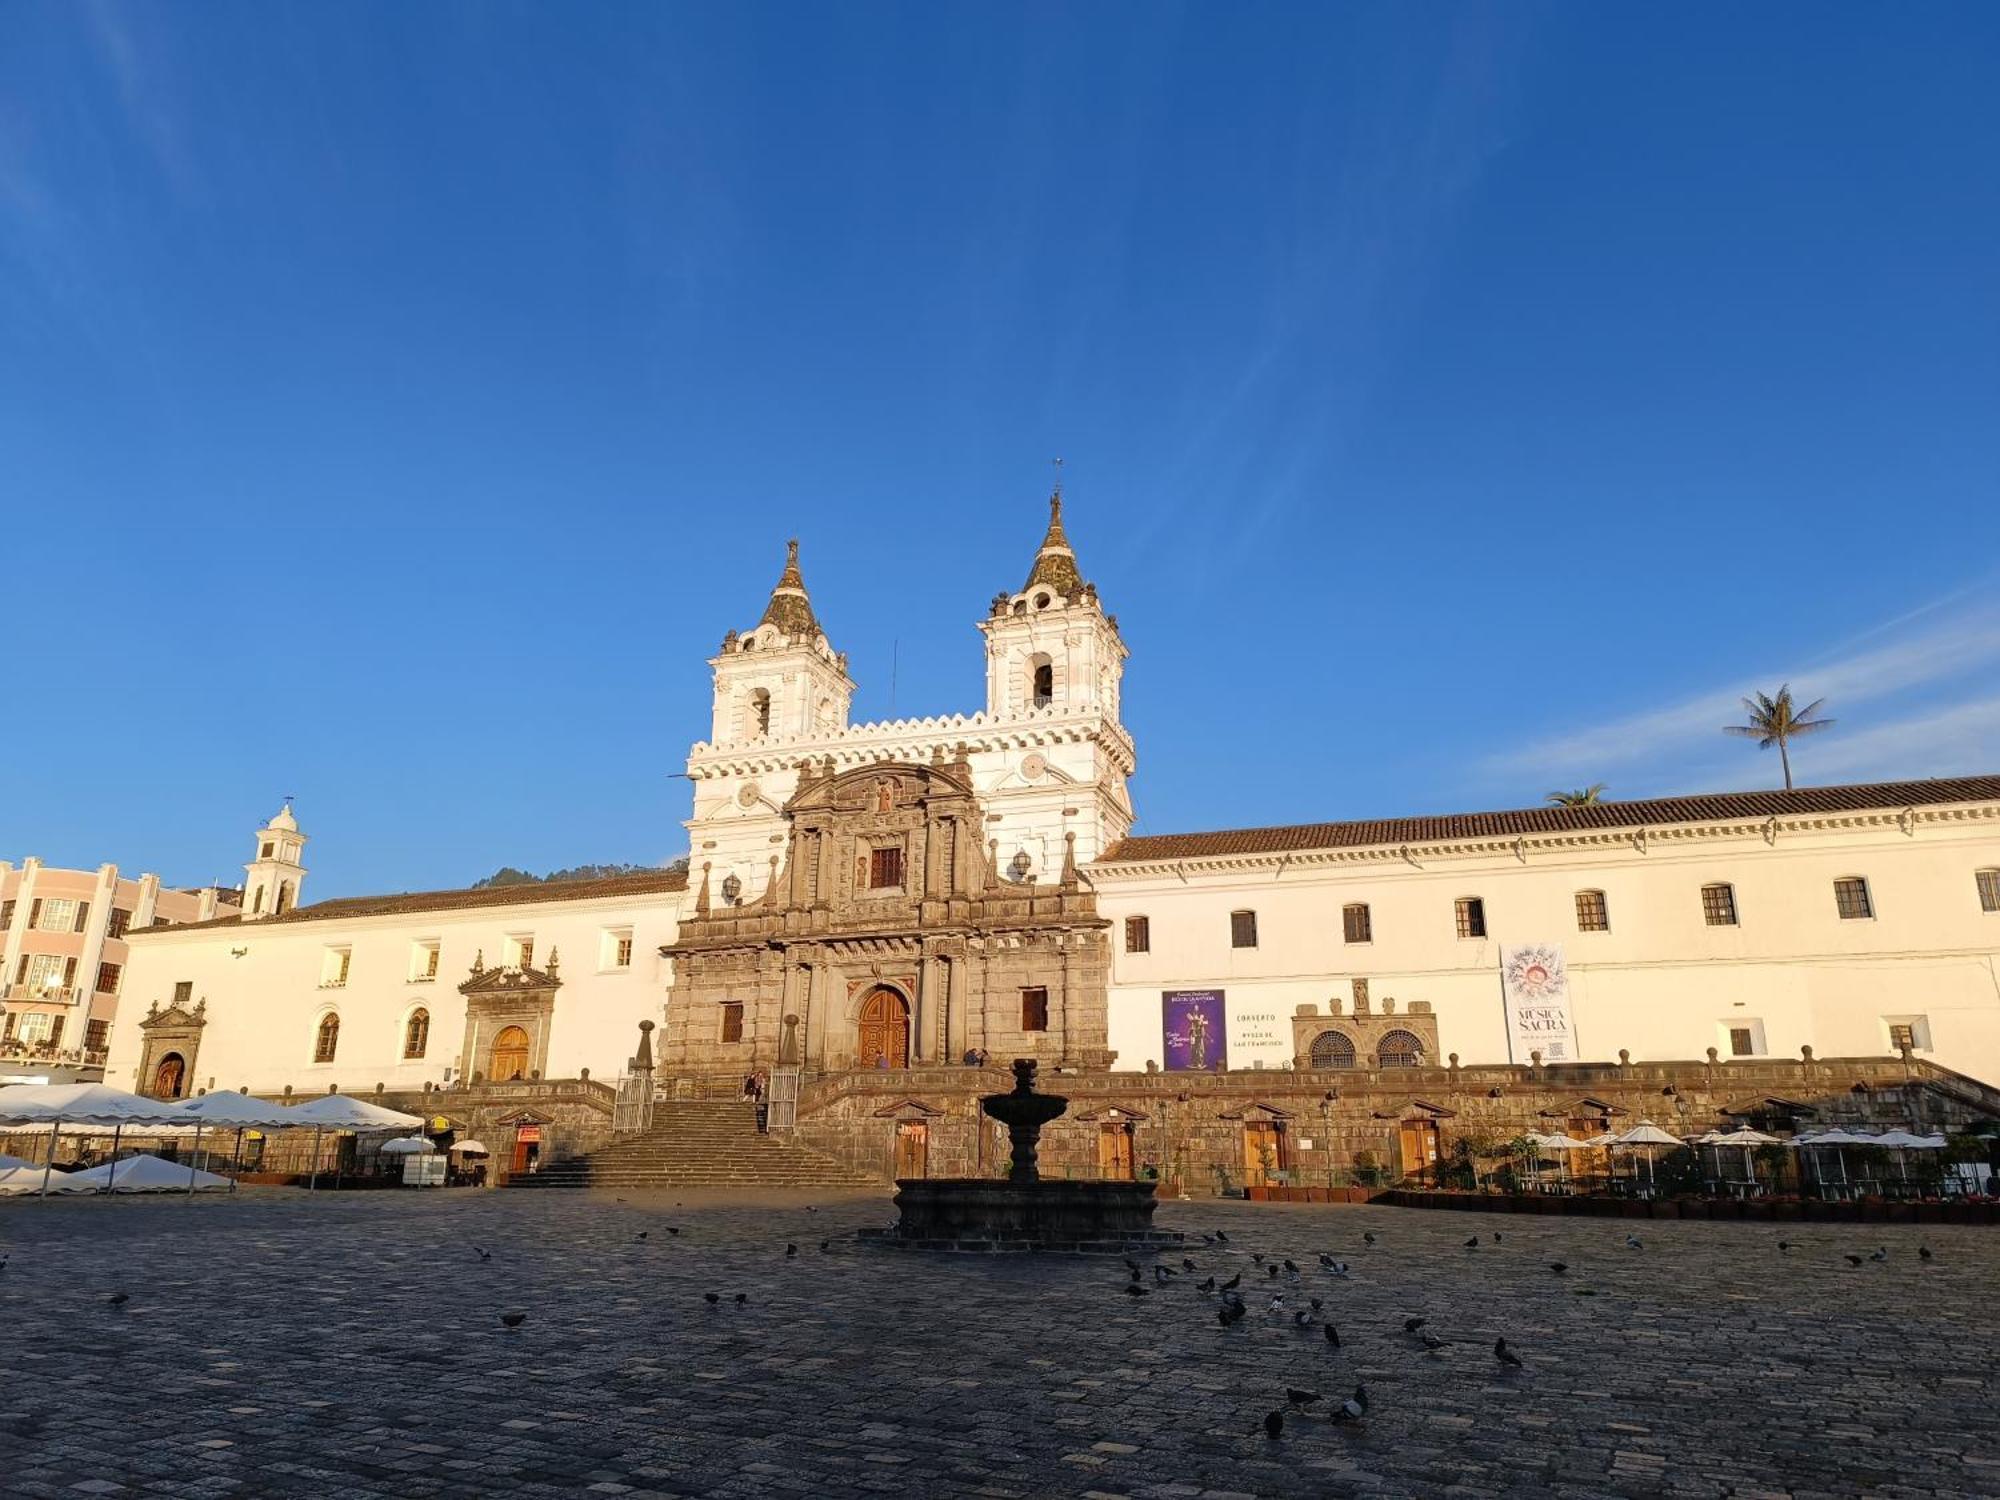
[
  {"x": 1653, "y": 812},
  {"x": 348, "y": 907}
]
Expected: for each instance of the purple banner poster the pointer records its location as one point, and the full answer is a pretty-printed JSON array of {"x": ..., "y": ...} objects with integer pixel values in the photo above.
[{"x": 1196, "y": 1030}]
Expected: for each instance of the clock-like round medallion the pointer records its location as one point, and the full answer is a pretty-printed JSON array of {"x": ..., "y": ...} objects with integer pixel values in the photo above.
[
  {"x": 748, "y": 795},
  {"x": 1035, "y": 766}
]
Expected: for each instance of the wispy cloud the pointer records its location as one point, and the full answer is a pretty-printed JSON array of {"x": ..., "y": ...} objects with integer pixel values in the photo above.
[{"x": 1919, "y": 654}]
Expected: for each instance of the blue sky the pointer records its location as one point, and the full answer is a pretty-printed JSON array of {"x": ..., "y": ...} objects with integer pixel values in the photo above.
[{"x": 397, "y": 404}]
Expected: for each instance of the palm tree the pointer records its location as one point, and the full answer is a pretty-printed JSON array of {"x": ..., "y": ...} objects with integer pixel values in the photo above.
[
  {"x": 1773, "y": 721},
  {"x": 1583, "y": 796}
]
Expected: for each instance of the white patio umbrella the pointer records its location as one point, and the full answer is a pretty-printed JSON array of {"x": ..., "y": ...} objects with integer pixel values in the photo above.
[
  {"x": 59, "y": 1104},
  {"x": 1651, "y": 1137},
  {"x": 1742, "y": 1136},
  {"x": 1902, "y": 1141},
  {"x": 470, "y": 1148},
  {"x": 227, "y": 1108},
  {"x": 1835, "y": 1138},
  {"x": 343, "y": 1112},
  {"x": 1557, "y": 1141},
  {"x": 408, "y": 1145}
]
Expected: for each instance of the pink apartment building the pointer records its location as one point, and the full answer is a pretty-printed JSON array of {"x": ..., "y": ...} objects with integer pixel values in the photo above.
[{"x": 64, "y": 959}]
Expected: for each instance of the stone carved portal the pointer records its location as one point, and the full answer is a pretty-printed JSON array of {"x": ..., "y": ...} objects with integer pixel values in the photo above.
[
  {"x": 882, "y": 1037},
  {"x": 170, "y": 1077}
]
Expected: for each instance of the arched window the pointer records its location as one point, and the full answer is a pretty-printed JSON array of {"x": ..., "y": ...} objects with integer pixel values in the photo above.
[
  {"x": 1400, "y": 1049},
  {"x": 417, "y": 1033},
  {"x": 1332, "y": 1049},
  {"x": 510, "y": 1055},
  {"x": 1043, "y": 682},
  {"x": 760, "y": 712},
  {"x": 327, "y": 1040},
  {"x": 284, "y": 899}
]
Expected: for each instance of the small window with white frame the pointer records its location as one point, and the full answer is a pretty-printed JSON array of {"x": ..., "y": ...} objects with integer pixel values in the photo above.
[
  {"x": 1851, "y": 898},
  {"x": 424, "y": 955},
  {"x": 334, "y": 965},
  {"x": 1742, "y": 1036},
  {"x": 1913, "y": 1032},
  {"x": 1718, "y": 905},
  {"x": 520, "y": 950},
  {"x": 614, "y": 948}
]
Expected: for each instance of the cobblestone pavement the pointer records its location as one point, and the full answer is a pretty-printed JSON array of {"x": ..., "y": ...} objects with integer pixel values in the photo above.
[{"x": 283, "y": 1343}]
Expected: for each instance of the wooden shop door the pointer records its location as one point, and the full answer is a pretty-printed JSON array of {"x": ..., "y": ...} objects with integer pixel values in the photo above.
[
  {"x": 1114, "y": 1152},
  {"x": 1419, "y": 1141},
  {"x": 913, "y": 1149},
  {"x": 1263, "y": 1152}
]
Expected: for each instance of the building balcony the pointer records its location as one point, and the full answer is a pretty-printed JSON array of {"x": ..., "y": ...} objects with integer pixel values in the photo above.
[{"x": 46, "y": 994}]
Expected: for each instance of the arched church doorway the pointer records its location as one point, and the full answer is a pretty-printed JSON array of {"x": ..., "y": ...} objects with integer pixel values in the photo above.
[
  {"x": 510, "y": 1055},
  {"x": 170, "y": 1077},
  {"x": 883, "y": 1034}
]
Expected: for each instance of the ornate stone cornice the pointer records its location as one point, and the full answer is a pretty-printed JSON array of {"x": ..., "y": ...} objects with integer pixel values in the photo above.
[{"x": 915, "y": 739}]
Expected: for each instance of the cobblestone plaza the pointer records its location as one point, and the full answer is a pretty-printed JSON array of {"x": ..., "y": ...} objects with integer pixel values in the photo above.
[{"x": 282, "y": 1343}]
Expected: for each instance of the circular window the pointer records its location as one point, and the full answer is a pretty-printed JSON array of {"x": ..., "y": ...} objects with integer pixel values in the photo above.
[{"x": 1041, "y": 601}]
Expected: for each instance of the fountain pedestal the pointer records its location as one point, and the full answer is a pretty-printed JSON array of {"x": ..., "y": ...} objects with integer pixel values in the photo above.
[{"x": 1022, "y": 1212}]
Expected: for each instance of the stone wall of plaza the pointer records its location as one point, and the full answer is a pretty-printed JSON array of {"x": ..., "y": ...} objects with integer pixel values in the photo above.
[
  {"x": 1211, "y": 1131},
  {"x": 64, "y": 958}
]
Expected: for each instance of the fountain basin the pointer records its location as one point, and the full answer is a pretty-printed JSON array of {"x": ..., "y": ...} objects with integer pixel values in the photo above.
[{"x": 981, "y": 1214}]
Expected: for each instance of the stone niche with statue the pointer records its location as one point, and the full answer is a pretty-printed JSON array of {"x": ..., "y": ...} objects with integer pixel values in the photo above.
[
  {"x": 887, "y": 939},
  {"x": 1364, "y": 1034}
]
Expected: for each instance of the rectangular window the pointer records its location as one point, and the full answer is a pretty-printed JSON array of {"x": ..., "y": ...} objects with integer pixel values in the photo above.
[
  {"x": 34, "y": 1027},
  {"x": 614, "y": 948},
  {"x": 1471, "y": 917},
  {"x": 1913, "y": 1032},
  {"x": 1592, "y": 915},
  {"x": 45, "y": 971},
  {"x": 1138, "y": 935},
  {"x": 1742, "y": 1042},
  {"x": 732, "y": 1021},
  {"x": 424, "y": 956},
  {"x": 1903, "y": 1035},
  {"x": 521, "y": 950},
  {"x": 622, "y": 955},
  {"x": 107, "y": 978},
  {"x": 885, "y": 867},
  {"x": 1850, "y": 898},
  {"x": 1989, "y": 891},
  {"x": 1718, "y": 905},
  {"x": 183, "y": 991},
  {"x": 1243, "y": 929},
  {"x": 7, "y": 914},
  {"x": 1035, "y": 1010},
  {"x": 96, "y": 1036},
  {"x": 334, "y": 966},
  {"x": 121, "y": 923},
  {"x": 57, "y": 914},
  {"x": 1356, "y": 924}
]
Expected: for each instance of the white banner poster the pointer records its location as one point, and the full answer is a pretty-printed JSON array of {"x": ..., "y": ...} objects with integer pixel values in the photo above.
[{"x": 1534, "y": 985}]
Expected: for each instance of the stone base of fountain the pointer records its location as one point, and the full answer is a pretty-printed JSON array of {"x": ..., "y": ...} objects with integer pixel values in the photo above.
[{"x": 982, "y": 1215}]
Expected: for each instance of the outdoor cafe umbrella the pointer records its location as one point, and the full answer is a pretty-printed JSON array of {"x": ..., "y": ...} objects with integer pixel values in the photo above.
[
  {"x": 59, "y": 1104},
  {"x": 1557, "y": 1141},
  {"x": 343, "y": 1112},
  {"x": 1835, "y": 1138},
  {"x": 1742, "y": 1136},
  {"x": 471, "y": 1148},
  {"x": 1650, "y": 1136},
  {"x": 1904, "y": 1141},
  {"x": 408, "y": 1145}
]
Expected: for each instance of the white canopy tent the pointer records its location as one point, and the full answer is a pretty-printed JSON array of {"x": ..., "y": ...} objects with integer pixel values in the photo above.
[
  {"x": 59, "y": 1104},
  {"x": 343, "y": 1112},
  {"x": 228, "y": 1108},
  {"x": 146, "y": 1174}
]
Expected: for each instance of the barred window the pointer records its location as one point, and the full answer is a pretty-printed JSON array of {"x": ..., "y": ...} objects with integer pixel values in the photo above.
[
  {"x": 1742, "y": 1042},
  {"x": 1850, "y": 898},
  {"x": 1718, "y": 905},
  {"x": 107, "y": 978},
  {"x": 1035, "y": 1010},
  {"x": 1138, "y": 935},
  {"x": 121, "y": 923},
  {"x": 1243, "y": 929},
  {"x": 1471, "y": 917},
  {"x": 1355, "y": 923},
  {"x": 183, "y": 991},
  {"x": 885, "y": 867},
  {"x": 732, "y": 1021},
  {"x": 1592, "y": 914},
  {"x": 1989, "y": 890}
]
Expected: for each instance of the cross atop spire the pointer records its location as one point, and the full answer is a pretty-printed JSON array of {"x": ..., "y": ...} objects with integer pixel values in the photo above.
[
  {"x": 790, "y": 609},
  {"x": 1055, "y": 564}
]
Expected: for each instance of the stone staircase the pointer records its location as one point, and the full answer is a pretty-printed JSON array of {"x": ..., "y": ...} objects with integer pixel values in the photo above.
[{"x": 698, "y": 1143}]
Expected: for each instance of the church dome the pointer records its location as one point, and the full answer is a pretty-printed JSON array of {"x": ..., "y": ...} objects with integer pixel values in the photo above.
[{"x": 284, "y": 820}]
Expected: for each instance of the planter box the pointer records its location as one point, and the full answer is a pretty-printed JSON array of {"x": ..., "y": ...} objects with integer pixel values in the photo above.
[{"x": 1257, "y": 1194}]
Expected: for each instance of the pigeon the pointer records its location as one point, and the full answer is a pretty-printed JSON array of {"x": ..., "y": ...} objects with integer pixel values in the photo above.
[
  {"x": 1411, "y": 1325},
  {"x": 1186, "y": 1264},
  {"x": 119, "y": 1299},
  {"x": 1633, "y": 1242},
  {"x": 1326, "y": 1260},
  {"x": 1923, "y": 1253},
  {"x": 1277, "y": 1302},
  {"x": 1274, "y": 1424},
  {"x": 1852, "y": 1260},
  {"x": 1473, "y": 1243},
  {"x": 1161, "y": 1275},
  {"x": 1302, "y": 1318},
  {"x": 642, "y": 1234},
  {"x": 1233, "y": 1282},
  {"x": 711, "y": 1298},
  {"x": 1292, "y": 1266},
  {"x": 482, "y": 1254},
  {"x": 1132, "y": 1265},
  {"x": 1316, "y": 1304},
  {"x": 1205, "y": 1286},
  {"x": 1208, "y": 1239},
  {"x": 1881, "y": 1253},
  {"x": 617, "y": 1200},
  {"x": 1784, "y": 1247},
  {"x": 1505, "y": 1355},
  {"x": 1367, "y": 1236},
  {"x": 790, "y": 1251},
  {"x": 1431, "y": 1341},
  {"x": 1257, "y": 1256},
  {"x": 812, "y": 1208},
  {"x": 1273, "y": 1269},
  {"x": 1558, "y": 1266},
  {"x": 670, "y": 1228},
  {"x": 1234, "y": 1312},
  {"x": 742, "y": 1299},
  {"x": 513, "y": 1320},
  {"x": 1340, "y": 1269},
  {"x": 1332, "y": 1335},
  {"x": 1301, "y": 1399},
  {"x": 826, "y": 1247},
  {"x": 1496, "y": 1239},
  {"x": 1354, "y": 1408},
  {"x": 1133, "y": 1289},
  {"x": 1221, "y": 1238}
]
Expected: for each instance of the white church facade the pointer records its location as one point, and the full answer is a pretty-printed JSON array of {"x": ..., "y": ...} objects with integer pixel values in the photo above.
[{"x": 915, "y": 892}]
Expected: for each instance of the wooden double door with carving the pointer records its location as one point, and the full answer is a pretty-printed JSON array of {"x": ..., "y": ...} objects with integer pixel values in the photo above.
[{"x": 883, "y": 1031}]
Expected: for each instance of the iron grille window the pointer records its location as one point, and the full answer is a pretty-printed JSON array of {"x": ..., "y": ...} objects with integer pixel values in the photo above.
[
  {"x": 1355, "y": 923},
  {"x": 183, "y": 991},
  {"x": 1243, "y": 929},
  {"x": 1034, "y": 1010},
  {"x": 1989, "y": 891},
  {"x": 1471, "y": 917},
  {"x": 107, "y": 978},
  {"x": 885, "y": 867},
  {"x": 1138, "y": 935},
  {"x": 1742, "y": 1042},
  {"x": 1718, "y": 905},
  {"x": 1850, "y": 898},
  {"x": 1592, "y": 915},
  {"x": 96, "y": 1036},
  {"x": 732, "y": 1021}
]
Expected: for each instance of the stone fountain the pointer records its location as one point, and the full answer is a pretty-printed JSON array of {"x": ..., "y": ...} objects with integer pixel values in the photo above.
[{"x": 1021, "y": 1211}]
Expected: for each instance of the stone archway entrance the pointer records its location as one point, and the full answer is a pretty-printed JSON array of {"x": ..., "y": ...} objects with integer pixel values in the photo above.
[
  {"x": 882, "y": 1035},
  {"x": 510, "y": 1055},
  {"x": 170, "y": 1077}
]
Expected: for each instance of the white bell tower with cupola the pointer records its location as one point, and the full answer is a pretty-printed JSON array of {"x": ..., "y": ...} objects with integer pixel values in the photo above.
[
  {"x": 273, "y": 880},
  {"x": 1051, "y": 648},
  {"x": 781, "y": 679}
]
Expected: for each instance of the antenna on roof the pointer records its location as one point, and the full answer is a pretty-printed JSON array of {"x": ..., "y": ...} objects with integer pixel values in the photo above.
[{"x": 1057, "y": 464}]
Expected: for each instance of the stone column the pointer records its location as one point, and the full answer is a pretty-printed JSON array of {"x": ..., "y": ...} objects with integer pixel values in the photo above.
[
  {"x": 818, "y": 1002},
  {"x": 955, "y": 1044},
  {"x": 1068, "y": 983},
  {"x": 920, "y": 1012}
]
